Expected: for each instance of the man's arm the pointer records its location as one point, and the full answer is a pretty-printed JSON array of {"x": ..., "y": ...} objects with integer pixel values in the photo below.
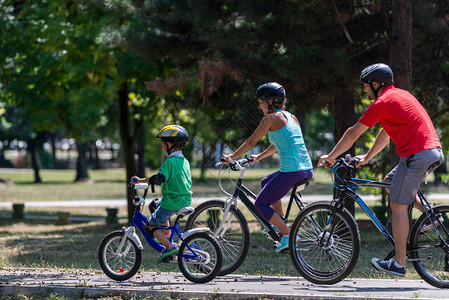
[
  {"x": 381, "y": 141},
  {"x": 347, "y": 140}
]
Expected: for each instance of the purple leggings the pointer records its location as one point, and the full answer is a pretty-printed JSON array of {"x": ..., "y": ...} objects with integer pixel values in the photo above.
[{"x": 275, "y": 186}]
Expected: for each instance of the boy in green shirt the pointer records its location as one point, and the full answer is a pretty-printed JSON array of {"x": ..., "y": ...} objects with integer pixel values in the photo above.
[{"x": 177, "y": 182}]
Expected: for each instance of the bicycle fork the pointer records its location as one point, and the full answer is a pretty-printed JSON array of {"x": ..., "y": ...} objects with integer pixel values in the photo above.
[
  {"x": 128, "y": 232},
  {"x": 226, "y": 221}
]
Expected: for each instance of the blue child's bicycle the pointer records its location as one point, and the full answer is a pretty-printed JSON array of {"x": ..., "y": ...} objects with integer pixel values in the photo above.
[{"x": 199, "y": 257}]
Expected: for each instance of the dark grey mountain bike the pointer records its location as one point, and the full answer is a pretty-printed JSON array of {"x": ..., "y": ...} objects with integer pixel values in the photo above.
[{"x": 327, "y": 239}]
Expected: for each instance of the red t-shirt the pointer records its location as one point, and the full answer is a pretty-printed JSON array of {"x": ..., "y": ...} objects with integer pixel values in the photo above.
[{"x": 404, "y": 119}]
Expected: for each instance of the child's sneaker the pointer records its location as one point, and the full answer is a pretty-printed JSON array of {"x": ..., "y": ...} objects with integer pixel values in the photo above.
[
  {"x": 165, "y": 253},
  {"x": 283, "y": 243}
]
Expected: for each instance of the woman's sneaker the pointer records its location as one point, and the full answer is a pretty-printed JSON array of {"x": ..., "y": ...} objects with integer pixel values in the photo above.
[
  {"x": 283, "y": 244},
  {"x": 275, "y": 229},
  {"x": 388, "y": 266}
]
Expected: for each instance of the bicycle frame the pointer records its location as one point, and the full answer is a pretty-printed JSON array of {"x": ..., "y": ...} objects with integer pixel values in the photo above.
[
  {"x": 242, "y": 192},
  {"x": 139, "y": 221},
  {"x": 350, "y": 183}
]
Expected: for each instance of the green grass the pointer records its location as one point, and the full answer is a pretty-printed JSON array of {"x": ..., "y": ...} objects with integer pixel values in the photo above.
[
  {"x": 111, "y": 184},
  {"x": 33, "y": 243},
  {"x": 42, "y": 244}
]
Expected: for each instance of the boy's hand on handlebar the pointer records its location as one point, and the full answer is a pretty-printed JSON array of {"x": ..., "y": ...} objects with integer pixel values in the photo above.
[
  {"x": 136, "y": 179},
  {"x": 325, "y": 161}
]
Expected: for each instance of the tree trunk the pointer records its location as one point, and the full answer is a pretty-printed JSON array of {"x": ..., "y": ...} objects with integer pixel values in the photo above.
[
  {"x": 34, "y": 163},
  {"x": 344, "y": 118},
  {"x": 81, "y": 164},
  {"x": 400, "y": 59},
  {"x": 53, "y": 149},
  {"x": 128, "y": 141},
  {"x": 96, "y": 162},
  {"x": 141, "y": 155}
]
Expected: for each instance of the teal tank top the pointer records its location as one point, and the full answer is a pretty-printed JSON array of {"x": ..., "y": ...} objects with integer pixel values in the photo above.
[{"x": 289, "y": 143}]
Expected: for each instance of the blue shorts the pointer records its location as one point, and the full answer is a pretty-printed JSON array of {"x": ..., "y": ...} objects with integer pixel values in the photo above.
[
  {"x": 160, "y": 215},
  {"x": 406, "y": 177}
]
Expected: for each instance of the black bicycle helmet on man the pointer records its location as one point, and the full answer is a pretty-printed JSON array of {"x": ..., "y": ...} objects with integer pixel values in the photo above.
[{"x": 380, "y": 73}]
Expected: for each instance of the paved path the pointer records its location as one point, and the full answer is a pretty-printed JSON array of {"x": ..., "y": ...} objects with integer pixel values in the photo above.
[{"x": 94, "y": 284}]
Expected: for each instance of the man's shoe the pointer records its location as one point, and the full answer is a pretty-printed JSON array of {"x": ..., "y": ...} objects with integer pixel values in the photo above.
[
  {"x": 429, "y": 226},
  {"x": 283, "y": 244},
  {"x": 388, "y": 266},
  {"x": 165, "y": 253}
]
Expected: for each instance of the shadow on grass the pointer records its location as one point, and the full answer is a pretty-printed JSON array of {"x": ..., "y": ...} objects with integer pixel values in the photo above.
[{"x": 42, "y": 244}]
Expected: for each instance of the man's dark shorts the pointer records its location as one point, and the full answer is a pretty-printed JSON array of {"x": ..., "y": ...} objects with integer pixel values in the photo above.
[{"x": 406, "y": 177}]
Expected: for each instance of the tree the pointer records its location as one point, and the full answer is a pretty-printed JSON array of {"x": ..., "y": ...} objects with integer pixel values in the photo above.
[{"x": 54, "y": 67}]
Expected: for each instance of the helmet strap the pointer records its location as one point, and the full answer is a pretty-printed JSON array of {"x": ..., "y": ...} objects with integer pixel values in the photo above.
[
  {"x": 270, "y": 106},
  {"x": 169, "y": 149},
  {"x": 375, "y": 91}
]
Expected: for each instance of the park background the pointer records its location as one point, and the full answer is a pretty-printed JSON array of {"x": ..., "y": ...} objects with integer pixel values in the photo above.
[{"x": 86, "y": 85}]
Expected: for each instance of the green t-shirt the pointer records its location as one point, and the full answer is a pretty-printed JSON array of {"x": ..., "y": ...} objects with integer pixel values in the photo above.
[{"x": 176, "y": 189}]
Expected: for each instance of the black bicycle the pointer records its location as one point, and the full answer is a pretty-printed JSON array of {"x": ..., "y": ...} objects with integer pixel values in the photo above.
[
  {"x": 327, "y": 239},
  {"x": 227, "y": 222}
]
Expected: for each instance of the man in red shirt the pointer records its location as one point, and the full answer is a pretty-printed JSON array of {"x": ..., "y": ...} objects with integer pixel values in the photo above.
[{"x": 406, "y": 122}]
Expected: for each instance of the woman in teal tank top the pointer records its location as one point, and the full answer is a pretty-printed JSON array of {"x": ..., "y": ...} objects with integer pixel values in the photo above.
[{"x": 285, "y": 136}]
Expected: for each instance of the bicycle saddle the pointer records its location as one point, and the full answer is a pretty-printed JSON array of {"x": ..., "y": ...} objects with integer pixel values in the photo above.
[
  {"x": 301, "y": 185},
  {"x": 185, "y": 211}
]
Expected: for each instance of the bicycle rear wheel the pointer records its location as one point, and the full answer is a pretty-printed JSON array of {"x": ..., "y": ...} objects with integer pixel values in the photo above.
[
  {"x": 430, "y": 256},
  {"x": 319, "y": 256},
  {"x": 234, "y": 241},
  {"x": 209, "y": 258}
]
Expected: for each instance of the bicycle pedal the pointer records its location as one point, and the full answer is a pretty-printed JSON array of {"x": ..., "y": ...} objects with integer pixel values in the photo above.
[{"x": 168, "y": 259}]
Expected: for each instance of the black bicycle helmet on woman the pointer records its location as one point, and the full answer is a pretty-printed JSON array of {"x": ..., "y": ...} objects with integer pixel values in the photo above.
[
  {"x": 271, "y": 90},
  {"x": 380, "y": 73},
  {"x": 175, "y": 134}
]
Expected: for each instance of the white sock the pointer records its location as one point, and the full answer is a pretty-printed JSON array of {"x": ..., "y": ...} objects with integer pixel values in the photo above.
[{"x": 398, "y": 265}]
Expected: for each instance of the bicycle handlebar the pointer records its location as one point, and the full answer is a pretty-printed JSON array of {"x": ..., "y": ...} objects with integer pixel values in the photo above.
[
  {"x": 348, "y": 161},
  {"x": 236, "y": 165}
]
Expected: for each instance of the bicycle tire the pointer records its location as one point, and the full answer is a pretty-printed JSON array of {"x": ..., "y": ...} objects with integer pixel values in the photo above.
[
  {"x": 234, "y": 243},
  {"x": 119, "y": 266},
  {"x": 201, "y": 272},
  {"x": 334, "y": 260},
  {"x": 434, "y": 264}
]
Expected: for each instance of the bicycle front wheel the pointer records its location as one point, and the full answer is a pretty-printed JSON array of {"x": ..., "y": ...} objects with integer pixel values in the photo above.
[
  {"x": 322, "y": 255},
  {"x": 119, "y": 264},
  {"x": 233, "y": 236},
  {"x": 429, "y": 254},
  {"x": 207, "y": 262}
]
